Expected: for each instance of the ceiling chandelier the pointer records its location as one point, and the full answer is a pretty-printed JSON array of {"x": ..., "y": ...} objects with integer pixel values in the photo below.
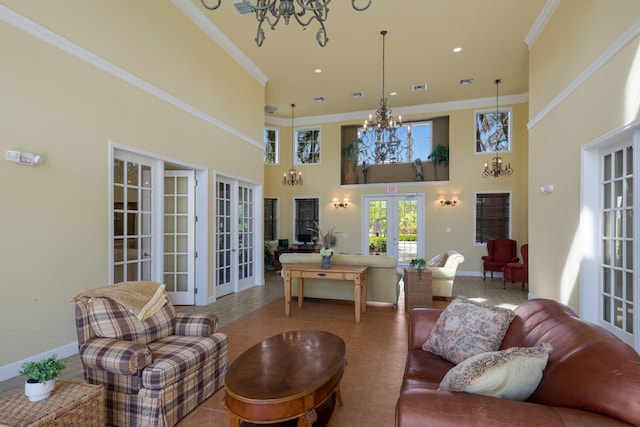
[
  {"x": 272, "y": 10},
  {"x": 383, "y": 129},
  {"x": 496, "y": 169},
  {"x": 293, "y": 177}
]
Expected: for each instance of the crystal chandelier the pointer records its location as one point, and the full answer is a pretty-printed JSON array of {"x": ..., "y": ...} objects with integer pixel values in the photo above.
[
  {"x": 293, "y": 177},
  {"x": 496, "y": 169},
  {"x": 383, "y": 129},
  {"x": 272, "y": 10}
]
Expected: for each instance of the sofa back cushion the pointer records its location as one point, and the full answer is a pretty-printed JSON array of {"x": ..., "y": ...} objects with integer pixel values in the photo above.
[
  {"x": 109, "y": 319},
  {"x": 589, "y": 368}
]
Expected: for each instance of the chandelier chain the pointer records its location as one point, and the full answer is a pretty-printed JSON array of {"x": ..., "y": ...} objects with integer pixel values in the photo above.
[
  {"x": 497, "y": 169},
  {"x": 292, "y": 177}
]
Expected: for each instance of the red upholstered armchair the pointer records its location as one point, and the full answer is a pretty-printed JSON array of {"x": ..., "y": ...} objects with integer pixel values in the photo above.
[
  {"x": 500, "y": 253},
  {"x": 517, "y": 272}
]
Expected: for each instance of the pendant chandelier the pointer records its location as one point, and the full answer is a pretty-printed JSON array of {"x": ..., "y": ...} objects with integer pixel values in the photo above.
[
  {"x": 272, "y": 10},
  {"x": 382, "y": 128},
  {"x": 293, "y": 177},
  {"x": 496, "y": 168}
]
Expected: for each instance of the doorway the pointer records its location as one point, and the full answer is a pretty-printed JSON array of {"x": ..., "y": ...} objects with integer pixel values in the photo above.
[{"x": 392, "y": 225}]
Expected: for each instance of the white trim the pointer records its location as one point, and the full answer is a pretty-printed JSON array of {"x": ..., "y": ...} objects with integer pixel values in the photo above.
[
  {"x": 11, "y": 370},
  {"x": 547, "y": 11},
  {"x": 201, "y": 21},
  {"x": 55, "y": 40},
  {"x": 626, "y": 38}
]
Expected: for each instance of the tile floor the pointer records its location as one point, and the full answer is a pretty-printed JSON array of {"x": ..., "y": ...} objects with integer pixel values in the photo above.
[{"x": 376, "y": 347}]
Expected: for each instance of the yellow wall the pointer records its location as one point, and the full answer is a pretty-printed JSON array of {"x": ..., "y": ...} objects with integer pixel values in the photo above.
[
  {"x": 55, "y": 216},
  {"x": 464, "y": 178},
  {"x": 578, "y": 33}
]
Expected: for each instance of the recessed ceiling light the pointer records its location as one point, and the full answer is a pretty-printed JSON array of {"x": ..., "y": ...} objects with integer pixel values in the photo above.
[
  {"x": 317, "y": 71},
  {"x": 393, "y": 93},
  {"x": 457, "y": 49}
]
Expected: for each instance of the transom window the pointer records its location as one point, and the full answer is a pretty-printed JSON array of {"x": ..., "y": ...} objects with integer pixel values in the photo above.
[
  {"x": 271, "y": 145},
  {"x": 307, "y": 146},
  {"x": 493, "y": 216}
]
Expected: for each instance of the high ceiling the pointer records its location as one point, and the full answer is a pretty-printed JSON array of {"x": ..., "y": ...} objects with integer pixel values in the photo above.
[{"x": 421, "y": 37}]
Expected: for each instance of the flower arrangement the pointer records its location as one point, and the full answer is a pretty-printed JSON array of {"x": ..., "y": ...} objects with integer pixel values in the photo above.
[{"x": 328, "y": 239}]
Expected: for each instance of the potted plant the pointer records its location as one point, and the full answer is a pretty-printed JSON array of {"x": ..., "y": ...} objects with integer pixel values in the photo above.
[
  {"x": 41, "y": 377},
  {"x": 418, "y": 264},
  {"x": 350, "y": 154},
  {"x": 439, "y": 156},
  {"x": 269, "y": 257}
]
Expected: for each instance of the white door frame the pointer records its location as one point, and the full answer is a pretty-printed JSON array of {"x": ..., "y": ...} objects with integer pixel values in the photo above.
[{"x": 202, "y": 213}]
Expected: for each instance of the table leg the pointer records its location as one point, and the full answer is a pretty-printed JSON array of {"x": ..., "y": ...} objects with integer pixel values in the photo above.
[
  {"x": 338, "y": 396},
  {"x": 300, "y": 291},
  {"x": 363, "y": 283},
  {"x": 308, "y": 419},
  {"x": 233, "y": 420},
  {"x": 287, "y": 292},
  {"x": 358, "y": 303}
]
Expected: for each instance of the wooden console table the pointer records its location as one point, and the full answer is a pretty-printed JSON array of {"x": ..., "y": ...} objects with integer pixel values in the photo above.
[{"x": 355, "y": 273}]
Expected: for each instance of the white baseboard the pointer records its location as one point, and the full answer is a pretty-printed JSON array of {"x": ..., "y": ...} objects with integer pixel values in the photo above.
[{"x": 11, "y": 370}]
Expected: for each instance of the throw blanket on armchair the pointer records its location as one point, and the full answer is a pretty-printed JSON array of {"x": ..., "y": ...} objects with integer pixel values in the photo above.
[{"x": 143, "y": 298}]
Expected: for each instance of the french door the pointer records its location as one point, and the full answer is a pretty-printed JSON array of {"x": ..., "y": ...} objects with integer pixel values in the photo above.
[
  {"x": 392, "y": 225},
  {"x": 235, "y": 248},
  {"x": 153, "y": 235}
]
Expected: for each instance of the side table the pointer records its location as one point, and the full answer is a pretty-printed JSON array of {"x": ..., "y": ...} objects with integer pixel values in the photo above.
[{"x": 71, "y": 403}]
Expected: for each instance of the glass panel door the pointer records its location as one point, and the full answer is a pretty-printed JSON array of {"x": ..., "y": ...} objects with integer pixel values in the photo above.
[
  {"x": 224, "y": 250},
  {"x": 246, "y": 236},
  {"x": 132, "y": 220}
]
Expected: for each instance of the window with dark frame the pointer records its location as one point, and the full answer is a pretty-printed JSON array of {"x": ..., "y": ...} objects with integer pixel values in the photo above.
[
  {"x": 492, "y": 216},
  {"x": 306, "y": 215},
  {"x": 270, "y": 219},
  {"x": 271, "y": 146}
]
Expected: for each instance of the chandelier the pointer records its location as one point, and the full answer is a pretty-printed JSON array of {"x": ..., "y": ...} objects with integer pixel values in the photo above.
[
  {"x": 293, "y": 177},
  {"x": 383, "y": 129},
  {"x": 272, "y": 10},
  {"x": 496, "y": 169}
]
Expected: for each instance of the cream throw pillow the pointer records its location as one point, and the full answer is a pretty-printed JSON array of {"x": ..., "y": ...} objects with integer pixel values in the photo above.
[
  {"x": 466, "y": 328},
  {"x": 513, "y": 373},
  {"x": 438, "y": 260}
]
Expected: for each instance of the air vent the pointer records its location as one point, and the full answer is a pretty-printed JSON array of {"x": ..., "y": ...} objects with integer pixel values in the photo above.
[
  {"x": 419, "y": 88},
  {"x": 270, "y": 109},
  {"x": 357, "y": 94},
  {"x": 318, "y": 99},
  {"x": 243, "y": 8},
  {"x": 465, "y": 82}
]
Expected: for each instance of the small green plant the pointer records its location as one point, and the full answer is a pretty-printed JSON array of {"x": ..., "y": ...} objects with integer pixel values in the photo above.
[
  {"x": 352, "y": 151},
  {"x": 418, "y": 264},
  {"x": 269, "y": 257},
  {"x": 43, "y": 370},
  {"x": 439, "y": 156}
]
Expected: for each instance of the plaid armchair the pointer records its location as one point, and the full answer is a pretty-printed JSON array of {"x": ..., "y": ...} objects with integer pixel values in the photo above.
[{"x": 154, "y": 371}]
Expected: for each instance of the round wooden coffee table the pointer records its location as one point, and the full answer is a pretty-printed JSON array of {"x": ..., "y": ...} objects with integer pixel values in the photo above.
[{"x": 284, "y": 377}]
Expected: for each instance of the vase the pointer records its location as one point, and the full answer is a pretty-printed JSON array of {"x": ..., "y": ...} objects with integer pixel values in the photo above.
[
  {"x": 351, "y": 177},
  {"x": 326, "y": 261},
  {"x": 39, "y": 391}
]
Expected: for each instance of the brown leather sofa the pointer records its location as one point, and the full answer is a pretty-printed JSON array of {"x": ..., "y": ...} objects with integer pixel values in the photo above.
[{"x": 591, "y": 379}]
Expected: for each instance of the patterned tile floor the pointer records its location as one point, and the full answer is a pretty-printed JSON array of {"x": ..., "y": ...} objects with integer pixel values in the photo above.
[{"x": 376, "y": 347}]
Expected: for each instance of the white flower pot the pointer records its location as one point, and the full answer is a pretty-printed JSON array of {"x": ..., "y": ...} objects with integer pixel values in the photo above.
[{"x": 38, "y": 391}]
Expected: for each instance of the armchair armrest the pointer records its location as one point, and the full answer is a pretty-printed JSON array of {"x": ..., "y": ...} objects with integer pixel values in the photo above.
[
  {"x": 487, "y": 258},
  {"x": 115, "y": 356},
  {"x": 442, "y": 272},
  {"x": 515, "y": 259},
  {"x": 196, "y": 324}
]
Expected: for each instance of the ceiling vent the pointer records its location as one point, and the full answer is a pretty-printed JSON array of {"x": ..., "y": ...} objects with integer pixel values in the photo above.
[
  {"x": 419, "y": 88},
  {"x": 318, "y": 99},
  {"x": 465, "y": 82},
  {"x": 357, "y": 94},
  {"x": 270, "y": 109},
  {"x": 243, "y": 8}
]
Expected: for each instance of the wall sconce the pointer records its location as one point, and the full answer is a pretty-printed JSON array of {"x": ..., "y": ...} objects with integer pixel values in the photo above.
[
  {"x": 343, "y": 204},
  {"x": 448, "y": 202}
]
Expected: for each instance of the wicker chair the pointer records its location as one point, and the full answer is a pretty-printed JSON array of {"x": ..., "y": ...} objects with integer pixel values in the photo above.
[{"x": 154, "y": 371}]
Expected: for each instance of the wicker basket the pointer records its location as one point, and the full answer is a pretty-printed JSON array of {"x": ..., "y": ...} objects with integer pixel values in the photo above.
[
  {"x": 417, "y": 290},
  {"x": 70, "y": 404}
]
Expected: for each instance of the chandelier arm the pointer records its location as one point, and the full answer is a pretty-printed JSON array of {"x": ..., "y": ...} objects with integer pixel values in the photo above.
[
  {"x": 259, "y": 5},
  {"x": 360, "y": 9},
  {"x": 321, "y": 4},
  {"x": 204, "y": 3}
]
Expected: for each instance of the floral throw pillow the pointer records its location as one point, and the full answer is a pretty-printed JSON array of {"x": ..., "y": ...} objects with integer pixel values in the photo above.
[
  {"x": 466, "y": 328},
  {"x": 437, "y": 261},
  {"x": 513, "y": 373}
]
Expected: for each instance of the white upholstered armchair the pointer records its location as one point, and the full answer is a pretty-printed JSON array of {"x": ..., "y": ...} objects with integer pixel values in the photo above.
[{"x": 442, "y": 277}]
